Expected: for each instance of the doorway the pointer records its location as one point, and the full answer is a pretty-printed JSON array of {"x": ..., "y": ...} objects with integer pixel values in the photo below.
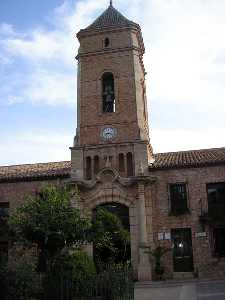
[
  {"x": 116, "y": 230},
  {"x": 182, "y": 250}
]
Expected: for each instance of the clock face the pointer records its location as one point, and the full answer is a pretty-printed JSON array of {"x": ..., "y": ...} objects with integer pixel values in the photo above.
[{"x": 108, "y": 133}]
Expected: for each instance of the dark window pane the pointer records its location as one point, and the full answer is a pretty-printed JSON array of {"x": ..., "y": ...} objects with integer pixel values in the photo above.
[
  {"x": 108, "y": 94},
  {"x": 121, "y": 162},
  {"x": 130, "y": 169},
  {"x": 216, "y": 200},
  {"x": 219, "y": 241},
  {"x": 106, "y": 42},
  {"x": 96, "y": 164},
  {"x": 88, "y": 168},
  {"x": 4, "y": 209},
  {"x": 178, "y": 198}
]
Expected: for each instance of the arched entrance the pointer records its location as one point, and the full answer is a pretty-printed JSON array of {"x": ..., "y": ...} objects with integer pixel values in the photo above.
[{"x": 113, "y": 224}]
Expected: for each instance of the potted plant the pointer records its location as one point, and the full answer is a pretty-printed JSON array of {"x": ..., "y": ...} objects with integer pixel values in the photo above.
[{"x": 156, "y": 256}]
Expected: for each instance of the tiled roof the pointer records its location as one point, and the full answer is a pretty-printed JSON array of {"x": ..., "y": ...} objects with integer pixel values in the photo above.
[
  {"x": 192, "y": 158},
  {"x": 109, "y": 18},
  {"x": 35, "y": 171},
  {"x": 170, "y": 160}
]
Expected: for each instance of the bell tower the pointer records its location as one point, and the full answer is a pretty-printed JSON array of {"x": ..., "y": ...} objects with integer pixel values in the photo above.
[{"x": 112, "y": 119}]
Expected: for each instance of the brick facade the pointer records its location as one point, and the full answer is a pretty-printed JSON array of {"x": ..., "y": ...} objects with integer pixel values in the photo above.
[
  {"x": 142, "y": 182},
  {"x": 16, "y": 192},
  {"x": 196, "y": 179}
]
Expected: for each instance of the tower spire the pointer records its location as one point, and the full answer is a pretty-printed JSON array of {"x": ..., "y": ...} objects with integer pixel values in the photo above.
[{"x": 111, "y": 2}]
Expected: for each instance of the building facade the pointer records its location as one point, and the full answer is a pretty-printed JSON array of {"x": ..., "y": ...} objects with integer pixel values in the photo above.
[{"x": 175, "y": 200}]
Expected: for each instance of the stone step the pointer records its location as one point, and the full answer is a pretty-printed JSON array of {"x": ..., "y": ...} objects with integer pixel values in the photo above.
[
  {"x": 183, "y": 275},
  {"x": 165, "y": 291}
]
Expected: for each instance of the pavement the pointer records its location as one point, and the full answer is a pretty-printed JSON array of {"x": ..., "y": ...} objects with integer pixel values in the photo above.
[
  {"x": 211, "y": 290},
  {"x": 181, "y": 290}
]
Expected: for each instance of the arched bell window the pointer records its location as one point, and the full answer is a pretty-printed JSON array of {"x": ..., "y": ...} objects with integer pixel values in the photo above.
[
  {"x": 108, "y": 93},
  {"x": 106, "y": 42}
]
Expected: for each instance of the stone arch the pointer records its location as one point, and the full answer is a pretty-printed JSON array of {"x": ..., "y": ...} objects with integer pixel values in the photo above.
[
  {"x": 116, "y": 75},
  {"x": 109, "y": 195},
  {"x": 105, "y": 194},
  {"x": 108, "y": 70},
  {"x": 122, "y": 212}
]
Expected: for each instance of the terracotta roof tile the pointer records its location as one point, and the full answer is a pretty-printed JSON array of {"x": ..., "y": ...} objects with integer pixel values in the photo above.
[
  {"x": 192, "y": 158},
  {"x": 35, "y": 171},
  {"x": 109, "y": 18},
  {"x": 170, "y": 160}
]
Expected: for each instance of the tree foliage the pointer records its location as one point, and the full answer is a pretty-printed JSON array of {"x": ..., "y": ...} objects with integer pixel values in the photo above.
[
  {"x": 49, "y": 220},
  {"x": 18, "y": 276},
  {"x": 111, "y": 239}
]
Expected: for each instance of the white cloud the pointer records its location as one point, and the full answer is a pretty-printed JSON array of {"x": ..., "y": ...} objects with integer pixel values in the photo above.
[
  {"x": 36, "y": 147},
  {"x": 185, "y": 61},
  {"x": 183, "y": 43},
  {"x": 52, "y": 88},
  {"x": 166, "y": 140},
  {"x": 47, "y": 56},
  {"x": 41, "y": 45},
  {"x": 7, "y": 29}
]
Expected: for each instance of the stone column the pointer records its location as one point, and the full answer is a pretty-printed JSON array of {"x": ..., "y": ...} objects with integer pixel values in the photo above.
[
  {"x": 77, "y": 163},
  {"x": 144, "y": 266}
]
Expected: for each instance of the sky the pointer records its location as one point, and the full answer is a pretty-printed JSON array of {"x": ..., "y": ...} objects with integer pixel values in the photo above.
[{"x": 184, "y": 60}]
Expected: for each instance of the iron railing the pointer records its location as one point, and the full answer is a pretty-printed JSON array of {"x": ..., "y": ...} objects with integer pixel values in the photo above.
[{"x": 110, "y": 284}]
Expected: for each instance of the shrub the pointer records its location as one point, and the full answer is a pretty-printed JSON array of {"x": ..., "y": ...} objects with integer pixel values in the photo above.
[
  {"x": 72, "y": 272},
  {"x": 21, "y": 281}
]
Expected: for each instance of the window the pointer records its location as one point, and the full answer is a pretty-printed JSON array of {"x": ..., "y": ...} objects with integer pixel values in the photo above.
[
  {"x": 219, "y": 241},
  {"x": 121, "y": 163},
  {"x": 96, "y": 164},
  {"x": 130, "y": 169},
  {"x": 178, "y": 199},
  {"x": 108, "y": 95},
  {"x": 88, "y": 168},
  {"x": 106, "y": 42},
  {"x": 4, "y": 209},
  {"x": 216, "y": 200}
]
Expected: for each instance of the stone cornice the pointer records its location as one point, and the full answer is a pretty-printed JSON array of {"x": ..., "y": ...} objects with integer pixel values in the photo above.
[
  {"x": 91, "y": 32},
  {"x": 109, "y": 51},
  {"x": 123, "y": 181},
  {"x": 104, "y": 145}
]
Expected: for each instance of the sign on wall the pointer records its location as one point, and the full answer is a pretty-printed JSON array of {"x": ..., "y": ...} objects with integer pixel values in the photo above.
[{"x": 164, "y": 236}]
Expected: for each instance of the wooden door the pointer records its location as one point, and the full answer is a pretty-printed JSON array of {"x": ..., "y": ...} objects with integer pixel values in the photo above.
[{"x": 182, "y": 250}]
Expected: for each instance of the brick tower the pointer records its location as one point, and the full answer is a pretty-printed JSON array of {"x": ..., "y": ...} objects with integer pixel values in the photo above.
[
  {"x": 112, "y": 119},
  {"x": 112, "y": 152}
]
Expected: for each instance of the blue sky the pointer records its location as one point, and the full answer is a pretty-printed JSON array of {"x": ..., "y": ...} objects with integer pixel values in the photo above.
[{"x": 185, "y": 61}]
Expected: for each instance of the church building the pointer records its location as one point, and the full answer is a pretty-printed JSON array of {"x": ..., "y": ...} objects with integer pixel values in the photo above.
[{"x": 174, "y": 200}]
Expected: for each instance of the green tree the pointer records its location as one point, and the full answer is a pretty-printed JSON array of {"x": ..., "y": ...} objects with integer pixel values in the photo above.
[
  {"x": 18, "y": 277},
  {"x": 49, "y": 220},
  {"x": 111, "y": 239},
  {"x": 73, "y": 273}
]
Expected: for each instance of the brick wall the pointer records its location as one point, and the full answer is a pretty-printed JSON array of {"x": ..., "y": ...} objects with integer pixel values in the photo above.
[
  {"x": 16, "y": 192},
  {"x": 196, "y": 180}
]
